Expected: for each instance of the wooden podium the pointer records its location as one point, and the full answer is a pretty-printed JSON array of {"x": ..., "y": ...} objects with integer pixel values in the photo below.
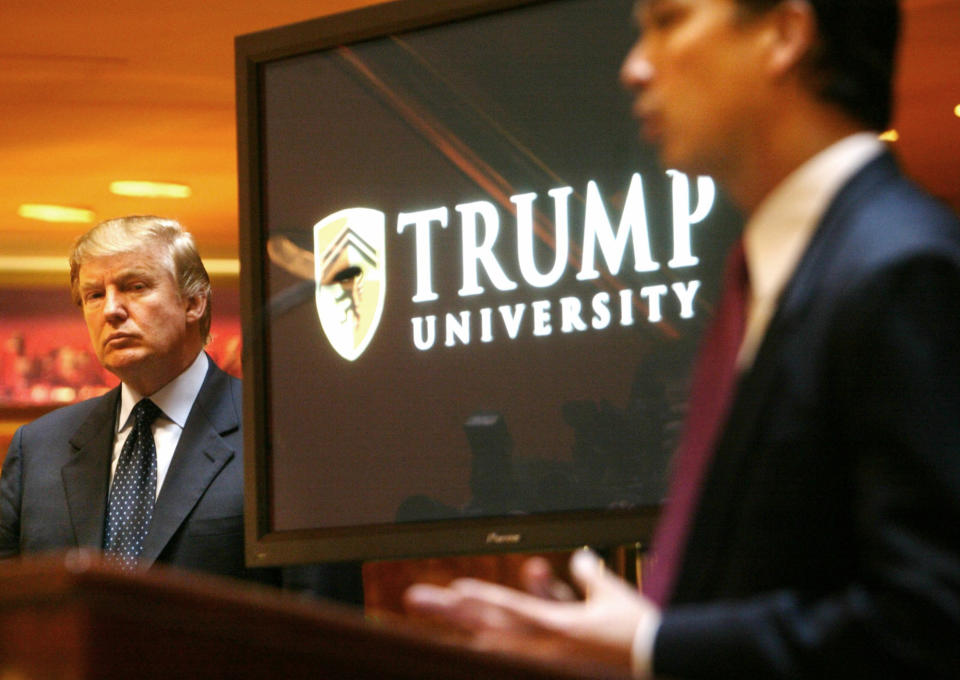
[{"x": 73, "y": 617}]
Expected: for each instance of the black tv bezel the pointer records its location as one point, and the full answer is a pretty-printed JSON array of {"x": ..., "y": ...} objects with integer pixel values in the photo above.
[{"x": 461, "y": 536}]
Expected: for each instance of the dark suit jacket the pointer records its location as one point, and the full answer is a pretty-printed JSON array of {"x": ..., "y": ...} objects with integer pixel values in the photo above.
[
  {"x": 827, "y": 539},
  {"x": 53, "y": 491}
]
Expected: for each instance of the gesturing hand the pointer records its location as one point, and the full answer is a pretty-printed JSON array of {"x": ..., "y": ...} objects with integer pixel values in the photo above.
[{"x": 603, "y": 623}]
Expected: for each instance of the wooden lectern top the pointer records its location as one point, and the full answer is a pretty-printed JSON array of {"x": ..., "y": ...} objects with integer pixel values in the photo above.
[{"x": 72, "y": 616}]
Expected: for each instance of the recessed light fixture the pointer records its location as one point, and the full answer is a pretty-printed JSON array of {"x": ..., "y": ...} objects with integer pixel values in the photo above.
[
  {"x": 55, "y": 213},
  {"x": 890, "y": 136},
  {"x": 150, "y": 189}
]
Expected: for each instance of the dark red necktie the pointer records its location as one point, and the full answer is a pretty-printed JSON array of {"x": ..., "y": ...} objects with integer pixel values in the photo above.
[{"x": 711, "y": 395}]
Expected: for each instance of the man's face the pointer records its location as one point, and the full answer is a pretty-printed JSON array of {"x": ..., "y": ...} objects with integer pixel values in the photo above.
[
  {"x": 138, "y": 323},
  {"x": 695, "y": 71}
]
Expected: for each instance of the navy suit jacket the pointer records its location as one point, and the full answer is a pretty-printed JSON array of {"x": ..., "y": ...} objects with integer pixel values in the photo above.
[
  {"x": 827, "y": 538},
  {"x": 53, "y": 491}
]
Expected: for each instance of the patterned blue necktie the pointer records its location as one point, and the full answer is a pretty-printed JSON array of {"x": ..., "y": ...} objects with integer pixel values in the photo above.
[{"x": 134, "y": 489}]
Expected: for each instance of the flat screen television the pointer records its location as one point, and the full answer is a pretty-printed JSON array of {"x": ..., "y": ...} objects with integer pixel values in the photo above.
[{"x": 470, "y": 293}]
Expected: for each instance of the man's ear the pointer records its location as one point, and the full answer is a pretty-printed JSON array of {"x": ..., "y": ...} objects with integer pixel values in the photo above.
[
  {"x": 793, "y": 35},
  {"x": 196, "y": 305}
]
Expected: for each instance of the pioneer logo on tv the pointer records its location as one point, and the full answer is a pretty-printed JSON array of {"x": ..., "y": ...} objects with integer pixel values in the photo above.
[
  {"x": 495, "y": 538},
  {"x": 350, "y": 257}
]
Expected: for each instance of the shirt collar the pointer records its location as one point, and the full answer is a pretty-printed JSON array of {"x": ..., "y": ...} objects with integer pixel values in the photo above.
[
  {"x": 175, "y": 398},
  {"x": 777, "y": 233}
]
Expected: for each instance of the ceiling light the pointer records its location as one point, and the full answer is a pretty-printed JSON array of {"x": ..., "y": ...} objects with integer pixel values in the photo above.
[
  {"x": 956, "y": 110},
  {"x": 150, "y": 189},
  {"x": 54, "y": 213},
  {"x": 890, "y": 136}
]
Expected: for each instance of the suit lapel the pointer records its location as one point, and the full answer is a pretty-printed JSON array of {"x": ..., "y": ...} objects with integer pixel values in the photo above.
[
  {"x": 86, "y": 476},
  {"x": 200, "y": 455}
]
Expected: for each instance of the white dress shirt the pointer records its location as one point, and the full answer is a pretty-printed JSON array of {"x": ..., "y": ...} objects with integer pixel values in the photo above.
[
  {"x": 779, "y": 230},
  {"x": 175, "y": 399},
  {"x": 775, "y": 238}
]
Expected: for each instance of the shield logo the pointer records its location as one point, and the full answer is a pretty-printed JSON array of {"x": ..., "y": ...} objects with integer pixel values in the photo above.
[{"x": 350, "y": 271}]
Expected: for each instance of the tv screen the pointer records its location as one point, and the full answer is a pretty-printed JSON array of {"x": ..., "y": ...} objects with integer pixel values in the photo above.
[{"x": 470, "y": 293}]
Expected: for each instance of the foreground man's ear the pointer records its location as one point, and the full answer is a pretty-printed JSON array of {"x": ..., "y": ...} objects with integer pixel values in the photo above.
[{"x": 792, "y": 36}]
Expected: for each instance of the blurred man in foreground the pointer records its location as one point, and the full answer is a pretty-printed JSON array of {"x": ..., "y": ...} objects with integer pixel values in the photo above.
[{"x": 813, "y": 523}]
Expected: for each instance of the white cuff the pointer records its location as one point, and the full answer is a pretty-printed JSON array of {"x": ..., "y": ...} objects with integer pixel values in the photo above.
[{"x": 641, "y": 651}]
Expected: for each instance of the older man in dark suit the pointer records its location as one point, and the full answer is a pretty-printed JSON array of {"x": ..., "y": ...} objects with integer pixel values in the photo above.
[
  {"x": 153, "y": 470},
  {"x": 813, "y": 524}
]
